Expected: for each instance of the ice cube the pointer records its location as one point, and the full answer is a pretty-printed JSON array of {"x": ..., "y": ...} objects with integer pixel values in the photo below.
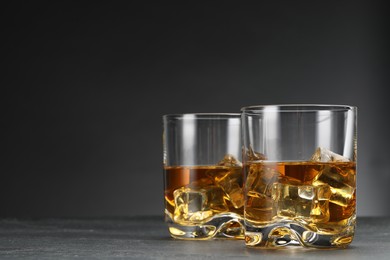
[
  {"x": 306, "y": 192},
  {"x": 216, "y": 199},
  {"x": 289, "y": 180},
  {"x": 324, "y": 155},
  {"x": 197, "y": 205},
  {"x": 260, "y": 179},
  {"x": 251, "y": 155},
  {"x": 342, "y": 184},
  {"x": 231, "y": 183},
  {"x": 289, "y": 204},
  {"x": 259, "y": 208},
  {"x": 339, "y": 213},
  {"x": 229, "y": 161},
  {"x": 302, "y": 201},
  {"x": 320, "y": 207},
  {"x": 190, "y": 205}
]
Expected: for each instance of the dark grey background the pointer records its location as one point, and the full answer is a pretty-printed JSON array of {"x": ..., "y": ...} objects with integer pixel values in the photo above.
[{"x": 84, "y": 88}]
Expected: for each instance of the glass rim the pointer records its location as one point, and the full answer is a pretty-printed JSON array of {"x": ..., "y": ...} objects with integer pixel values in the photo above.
[
  {"x": 297, "y": 108},
  {"x": 203, "y": 116}
]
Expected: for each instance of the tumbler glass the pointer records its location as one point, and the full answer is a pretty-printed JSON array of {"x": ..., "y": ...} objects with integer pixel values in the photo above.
[
  {"x": 299, "y": 175},
  {"x": 203, "y": 179}
]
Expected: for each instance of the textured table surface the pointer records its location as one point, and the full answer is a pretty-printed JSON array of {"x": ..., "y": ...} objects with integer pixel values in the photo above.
[{"x": 147, "y": 238}]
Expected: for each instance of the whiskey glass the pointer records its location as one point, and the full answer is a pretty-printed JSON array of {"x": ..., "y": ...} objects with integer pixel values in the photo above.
[
  {"x": 299, "y": 175},
  {"x": 203, "y": 180}
]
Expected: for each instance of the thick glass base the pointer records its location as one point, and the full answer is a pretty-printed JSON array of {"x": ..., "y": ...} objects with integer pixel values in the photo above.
[
  {"x": 294, "y": 233},
  {"x": 223, "y": 225}
]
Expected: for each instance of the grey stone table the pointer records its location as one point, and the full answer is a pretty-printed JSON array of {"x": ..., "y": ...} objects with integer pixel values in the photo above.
[{"x": 147, "y": 238}]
